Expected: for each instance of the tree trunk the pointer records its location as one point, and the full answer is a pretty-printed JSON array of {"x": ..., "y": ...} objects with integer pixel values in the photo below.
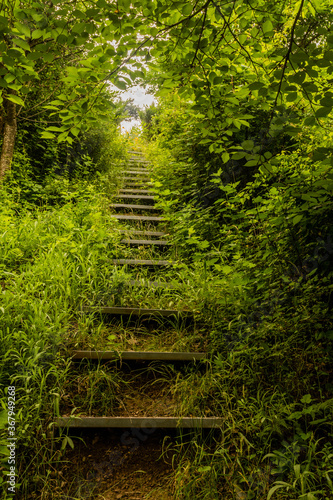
[{"x": 9, "y": 135}]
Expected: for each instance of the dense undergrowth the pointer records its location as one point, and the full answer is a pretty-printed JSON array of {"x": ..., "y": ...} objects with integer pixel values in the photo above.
[
  {"x": 55, "y": 232},
  {"x": 264, "y": 236}
]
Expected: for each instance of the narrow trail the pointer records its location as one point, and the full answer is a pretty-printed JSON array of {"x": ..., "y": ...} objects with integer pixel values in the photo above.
[{"x": 143, "y": 385}]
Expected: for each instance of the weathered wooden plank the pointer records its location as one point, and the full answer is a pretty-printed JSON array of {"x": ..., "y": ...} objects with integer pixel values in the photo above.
[
  {"x": 136, "y": 243},
  {"x": 135, "y": 197},
  {"x": 151, "y": 218},
  {"x": 139, "y": 355},
  {"x": 137, "y": 184},
  {"x": 140, "y": 262},
  {"x": 134, "y": 207},
  {"x": 138, "y": 172},
  {"x": 138, "y": 160},
  {"x": 146, "y": 233},
  {"x": 140, "y": 422},
  {"x": 136, "y": 178},
  {"x": 134, "y": 190},
  {"x": 137, "y": 311}
]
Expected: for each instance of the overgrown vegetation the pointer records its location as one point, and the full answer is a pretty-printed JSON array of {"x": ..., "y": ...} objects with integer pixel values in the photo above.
[
  {"x": 240, "y": 145},
  {"x": 264, "y": 238}
]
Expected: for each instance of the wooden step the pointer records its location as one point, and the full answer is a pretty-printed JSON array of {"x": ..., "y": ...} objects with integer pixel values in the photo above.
[
  {"x": 138, "y": 311},
  {"x": 135, "y": 197},
  {"x": 137, "y": 243},
  {"x": 137, "y": 180},
  {"x": 138, "y": 217},
  {"x": 134, "y": 207},
  {"x": 129, "y": 190},
  {"x": 137, "y": 172},
  {"x": 138, "y": 160},
  {"x": 137, "y": 184},
  {"x": 139, "y": 262},
  {"x": 139, "y": 355},
  {"x": 146, "y": 233},
  {"x": 140, "y": 422}
]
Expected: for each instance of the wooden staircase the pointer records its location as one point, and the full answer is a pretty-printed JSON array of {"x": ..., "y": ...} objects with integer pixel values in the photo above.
[{"x": 137, "y": 187}]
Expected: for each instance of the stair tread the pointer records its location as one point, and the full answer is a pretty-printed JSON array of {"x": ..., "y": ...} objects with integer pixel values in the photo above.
[
  {"x": 129, "y": 190},
  {"x": 141, "y": 207},
  {"x": 148, "y": 262},
  {"x": 137, "y": 311},
  {"x": 137, "y": 171},
  {"x": 146, "y": 233},
  {"x": 131, "y": 178},
  {"x": 138, "y": 217},
  {"x": 142, "y": 422},
  {"x": 135, "y": 196},
  {"x": 161, "y": 243},
  {"x": 139, "y": 355}
]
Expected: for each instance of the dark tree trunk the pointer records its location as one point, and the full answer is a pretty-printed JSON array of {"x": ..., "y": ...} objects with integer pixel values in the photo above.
[{"x": 9, "y": 129}]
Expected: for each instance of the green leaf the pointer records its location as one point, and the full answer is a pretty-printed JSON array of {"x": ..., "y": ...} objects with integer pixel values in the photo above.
[
  {"x": 256, "y": 85},
  {"x": 327, "y": 100},
  {"x": 274, "y": 489},
  {"x": 120, "y": 84},
  {"x": 267, "y": 27},
  {"x": 16, "y": 99},
  {"x": 248, "y": 145},
  {"x": 187, "y": 9},
  {"x": 36, "y": 34},
  {"x": 297, "y": 219},
  {"x": 238, "y": 156},
  {"x": 291, "y": 97},
  {"x": 3, "y": 419},
  {"x": 80, "y": 27},
  {"x": 47, "y": 135},
  {"x": 48, "y": 57},
  {"x": 322, "y": 112},
  {"x": 306, "y": 398},
  {"x": 298, "y": 77},
  {"x": 225, "y": 157},
  {"x": 23, "y": 44},
  {"x": 23, "y": 28}
]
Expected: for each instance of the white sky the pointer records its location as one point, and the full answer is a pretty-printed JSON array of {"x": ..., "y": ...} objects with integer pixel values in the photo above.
[{"x": 141, "y": 99}]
